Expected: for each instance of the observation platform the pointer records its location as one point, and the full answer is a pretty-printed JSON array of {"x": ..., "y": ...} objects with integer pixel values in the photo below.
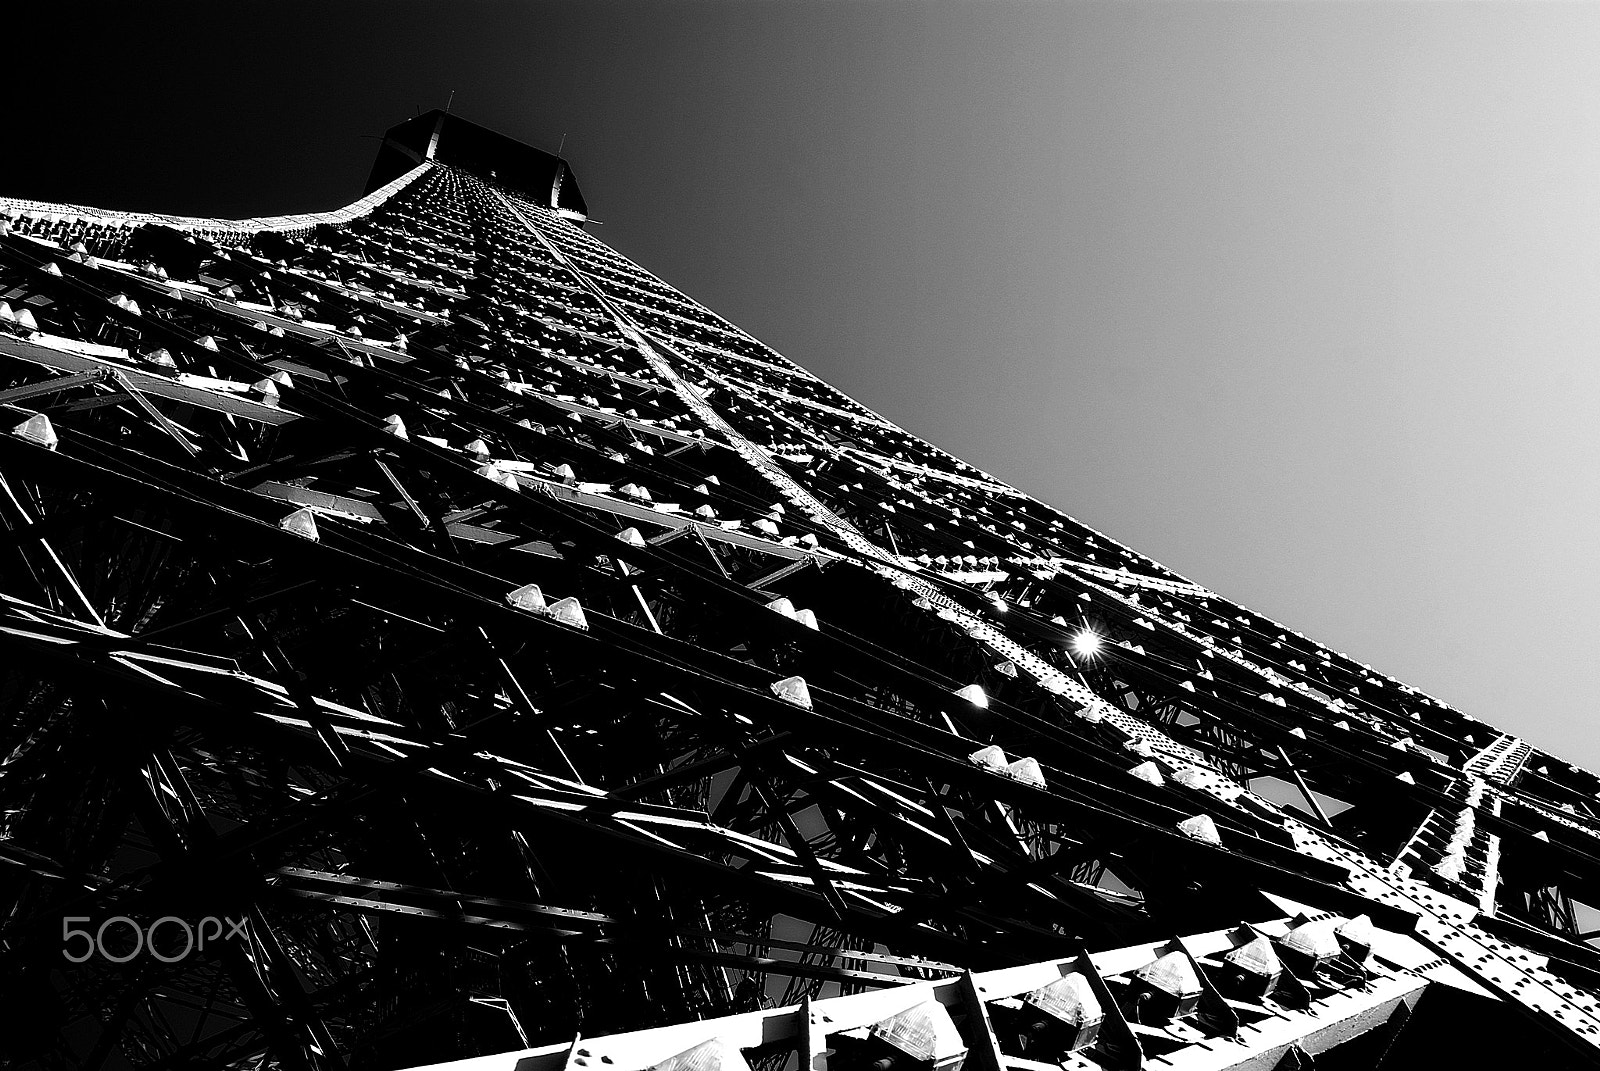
[{"x": 542, "y": 177}]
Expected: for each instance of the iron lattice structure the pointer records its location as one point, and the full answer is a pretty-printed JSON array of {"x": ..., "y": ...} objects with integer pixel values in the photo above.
[{"x": 508, "y": 646}]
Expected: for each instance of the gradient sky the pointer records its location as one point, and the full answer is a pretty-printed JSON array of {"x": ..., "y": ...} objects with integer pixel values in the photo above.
[{"x": 1298, "y": 299}]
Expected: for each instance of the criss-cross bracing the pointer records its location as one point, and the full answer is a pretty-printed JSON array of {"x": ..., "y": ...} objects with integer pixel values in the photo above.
[{"x": 507, "y": 647}]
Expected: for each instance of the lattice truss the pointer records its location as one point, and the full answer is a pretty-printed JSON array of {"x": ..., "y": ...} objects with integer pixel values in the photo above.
[{"x": 521, "y": 648}]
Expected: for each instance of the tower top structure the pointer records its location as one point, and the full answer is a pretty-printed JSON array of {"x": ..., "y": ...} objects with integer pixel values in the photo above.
[{"x": 439, "y": 136}]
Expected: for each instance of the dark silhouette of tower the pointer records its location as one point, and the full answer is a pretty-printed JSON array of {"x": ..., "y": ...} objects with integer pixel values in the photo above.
[{"x": 489, "y": 643}]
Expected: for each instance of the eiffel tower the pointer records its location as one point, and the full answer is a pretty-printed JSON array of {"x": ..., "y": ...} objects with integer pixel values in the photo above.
[{"x": 426, "y": 635}]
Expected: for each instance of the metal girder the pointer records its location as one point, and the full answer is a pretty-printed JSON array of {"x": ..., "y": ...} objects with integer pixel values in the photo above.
[{"x": 1254, "y": 1034}]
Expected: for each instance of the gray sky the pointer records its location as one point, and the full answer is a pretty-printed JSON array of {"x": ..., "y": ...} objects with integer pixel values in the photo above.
[{"x": 1296, "y": 298}]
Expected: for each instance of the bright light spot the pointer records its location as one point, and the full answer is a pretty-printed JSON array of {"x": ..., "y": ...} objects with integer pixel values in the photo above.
[{"x": 1086, "y": 643}]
